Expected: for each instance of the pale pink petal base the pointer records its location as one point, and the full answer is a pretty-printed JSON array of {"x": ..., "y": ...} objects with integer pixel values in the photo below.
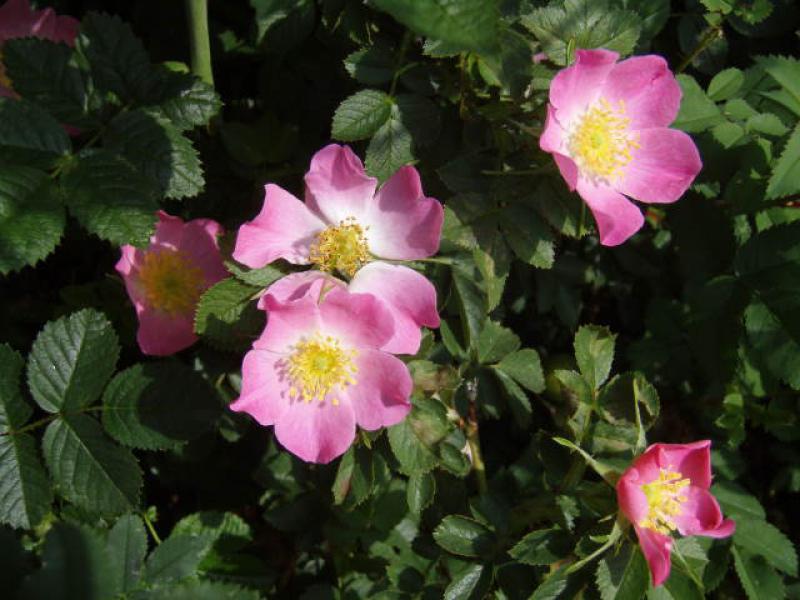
[
  {"x": 160, "y": 334},
  {"x": 264, "y": 394}
]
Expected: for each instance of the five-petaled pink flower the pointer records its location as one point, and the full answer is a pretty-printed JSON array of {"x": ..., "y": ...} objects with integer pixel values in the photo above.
[
  {"x": 347, "y": 223},
  {"x": 318, "y": 370},
  {"x": 165, "y": 281},
  {"x": 18, "y": 20},
  {"x": 607, "y": 128},
  {"x": 666, "y": 489}
]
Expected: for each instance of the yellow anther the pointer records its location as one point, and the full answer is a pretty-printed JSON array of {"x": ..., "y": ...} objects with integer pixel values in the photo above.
[
  {"x": 170, "y": 281},
  {"x": 601, "y": 144},
  {"x": 665, "y": 496},
  {"x": 341, "y": 247},
  {"x": 318, "y": 366}
]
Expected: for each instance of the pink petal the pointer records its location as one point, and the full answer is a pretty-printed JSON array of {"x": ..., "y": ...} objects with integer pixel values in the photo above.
[
  {"x": 656, "y": 548},
  {"x": 630, "y": 497},
  {"x": 380, "y": 398},
  {"x": 337, "y": 187},
  {"x": 264, "y": 395},
  {"x": 289, "y": 322},
  {"x": 316, "y": 431},
  {"x": 359, "y": 320},
  {"x": 199, "y": 240},
  {"x": 648, "y": 88},
  {"x": 296, "y": 286},
  {"x": 17, "y": 19},
  {"x": 690, "y": 460},
  {"x": 409, "y": 296},
  {"x": 160, "y": 334},
  {"x": 701, "y": 515},
  {"x": 573, "y": 89},
  {"x": 663, "y": 167},
  {"x": 617, "y": 217},
  {"x": 66, "y": 30},
  {"x": 285, "y": 228},
  {"x": 403, "y": 223}
]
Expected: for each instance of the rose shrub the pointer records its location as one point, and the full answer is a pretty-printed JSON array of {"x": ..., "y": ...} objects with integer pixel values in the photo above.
[{"x": 399, "y": 299}]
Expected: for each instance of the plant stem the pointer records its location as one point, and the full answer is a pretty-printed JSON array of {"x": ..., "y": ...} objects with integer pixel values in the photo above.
[
  {"x": 30, "y": 426},
  {"x": 710, "y": 36},
  {"x": 150, "y": 527},
  {"x": 197, "y": 12},
  {"x": 473, "y": 437}
]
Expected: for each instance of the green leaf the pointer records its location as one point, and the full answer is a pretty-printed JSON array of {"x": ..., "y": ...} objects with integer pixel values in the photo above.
[
  {"x": 525, "y": 368},
  {"x": 111, "y": 198},
  {"x": 354, "y": 477},
  {"x": 776, "y": 349},
  {"x": 623, "y": 575},
  {"x": 495, "y": 342},
  {"x": 785, "y": 179},
  {"x": 25, "y": 491},
  {"x": 470, "y": 25},
  {"x": 361, "y": 115},
  {"x": 582, "y": 24},
  {"x": 227, "y": 315},
  {"x": 74, "y": 567},
  {"x": 26, "y": 127},
  {"x": 126, "y": 548},
  {"x": 14, "y": 410},
  {"x": 412, "y": 440},
  {"x": 471, "y": 304},
  {"x": 390, "y": 147},
  {"x": 766, "y": 123},
  {"x": 762, "y": 538},
  {"x": 698, "y": 112},
  {"x": 594, "y": 351},
  {"x": 116, "y": 57},
  {"x": 371, "y": 66},
  {"x": 228, "y": 531},
  {"x": 759, "y": 580},
  {"x": 260, "y": 278},
  {"x": 654, "y": 15},
  {"x": 31, "y": 218},
  {"x": 786, "y": 71},
  {"x": 542, "y": 547},
  {"x": 158, "y": 405},
  {"x": 45, "y": 73},
  {"x": 420, "y": 116},
  {"x": 470, "y": 584},
  {"x": 736, "y": 502},
  {"x": 177, "y": 558},
  {"x": 464, "y": 536},
  {"x": 71, "y": 361},
  {"x": 725, "y": 84},
  {"x": 158, "y": 150},
  {"x": 420, "y": 492},
  {"x": 530, "y": 239},
  {"x": 188, "y": 102},
  {"x": 89, "y": 469},
  {"x": 629, "y": 399}
]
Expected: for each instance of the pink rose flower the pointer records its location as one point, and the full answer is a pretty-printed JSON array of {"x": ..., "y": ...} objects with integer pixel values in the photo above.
[
  {"x": 664, "y": 490},
  {"x": 408, "y": 296},
  {"x": 607, "y": 129},
  {"x": 165, "y": 281},
  {"x": 345, "y": 224},
  {"x": 18, "y": 20},
  {"x": 318, "y": 370}
]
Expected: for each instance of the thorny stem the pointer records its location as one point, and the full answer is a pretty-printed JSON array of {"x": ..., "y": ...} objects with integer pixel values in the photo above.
[
  {"x": 197, "y": 13},
  {"x": 712, "y": 33},
  {"x": 473, "y": 437},
  {"x": 150, "y": 527}
]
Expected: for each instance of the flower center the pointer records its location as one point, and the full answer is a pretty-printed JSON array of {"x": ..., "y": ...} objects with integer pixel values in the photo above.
[
  {"x": 319, "y": 365},
  {"x": 341, "y": 247},
  {"x": 171, "y": 282},
  {"x": 664, "y": 498},
  {"x": 4, "y": 80},
  {"x": 601, "y": 143}
]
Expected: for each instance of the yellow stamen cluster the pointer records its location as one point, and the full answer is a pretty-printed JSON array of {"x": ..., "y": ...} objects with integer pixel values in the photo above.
[
  {"x": 341, "y": 247},
  {"x": 170, "y": 281},
  {"x": 664, "y": 498},
  {"x": 4, "y": 80},
  {"x": 601, "y": 143},
  {"x": 317, "y": 366}
]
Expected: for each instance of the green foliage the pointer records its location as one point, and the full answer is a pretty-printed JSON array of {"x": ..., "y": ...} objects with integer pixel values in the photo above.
[{"x": 226, "y": 315}]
